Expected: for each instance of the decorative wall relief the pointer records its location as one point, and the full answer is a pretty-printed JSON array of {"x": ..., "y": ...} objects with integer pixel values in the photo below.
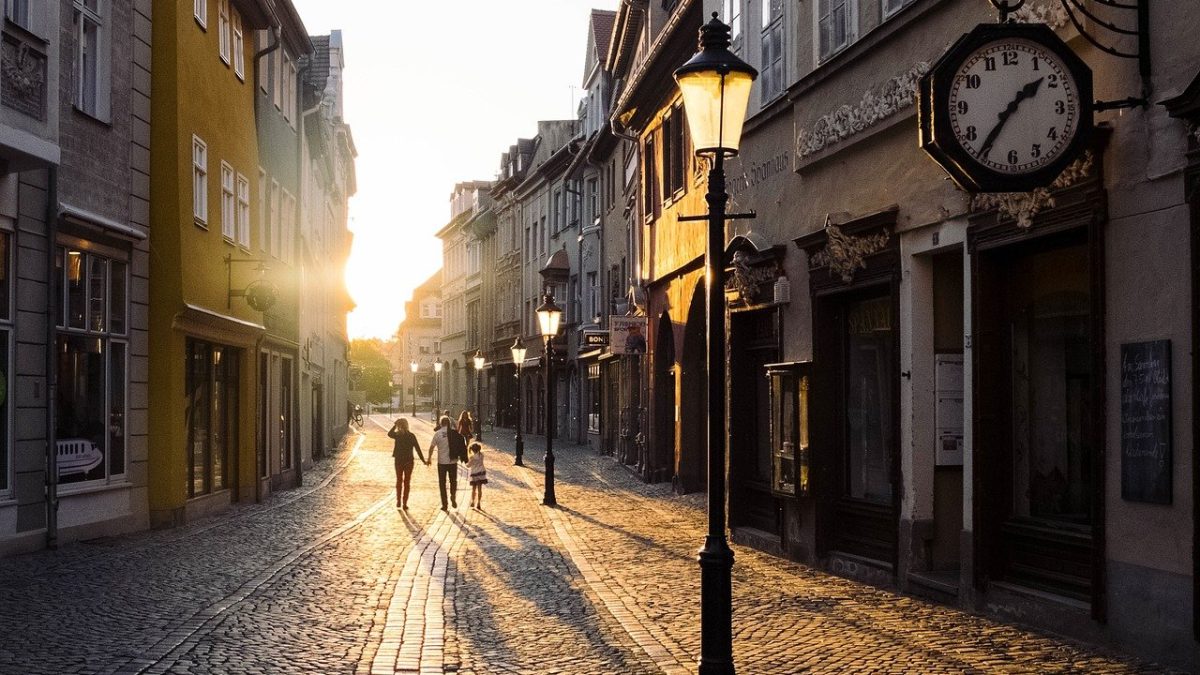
[
  {"x": 1052, "y": 14},
  {"x": 845, "y": 254},
  {"x": 876, "y": 105},
  {"x": 23, "y": 78},
  {"x": 1023, "y": 206}
]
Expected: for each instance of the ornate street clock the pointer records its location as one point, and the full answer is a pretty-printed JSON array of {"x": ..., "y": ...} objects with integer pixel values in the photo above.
[{"x": 1006, "y": 109}]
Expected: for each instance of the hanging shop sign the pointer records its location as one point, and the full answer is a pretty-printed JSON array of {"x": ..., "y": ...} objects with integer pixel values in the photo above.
[
  {"x": 595, "y": 338},
  {"x": 628, "y": 334},
  {"x": 1006, "y": 109}
]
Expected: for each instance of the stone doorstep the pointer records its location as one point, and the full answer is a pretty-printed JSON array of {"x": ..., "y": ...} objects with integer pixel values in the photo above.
[{"x": 758, "y": 539}]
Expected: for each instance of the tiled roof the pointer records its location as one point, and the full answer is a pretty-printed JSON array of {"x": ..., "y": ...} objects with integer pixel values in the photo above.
[
  {"x": 318, "y": 72},
  {"x": 602, "y": 27}
]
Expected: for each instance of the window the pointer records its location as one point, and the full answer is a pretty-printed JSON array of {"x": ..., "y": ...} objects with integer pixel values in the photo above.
[
  {"x": 89, "y": 62},
  {"x": 199, "y": 181},
  {"x": 243, "y": 211},
  {"x": 595, "y": 396},
  {"x": 273, "y": 224},
  {"x": 867, "y": 383},
  {"x": 239, "y": 46},
  {"x": 733, "y": 17},
  {"x": 277, "y": 77},
  {"x": 264, "y": 65},
  {"x": 228, "y": 219},
  {"x": 650, "y": 176},
  {"x": 200, "y": 10},
  {"x": 834, "y": 27},
  {"x": 264, "y": 227},
  {"x": 890, "y": 7},
  {"x": 212, "y": 415},
  {"x": 289, "y": 109},
  {"x": 287, "y": 229},
  {"x": 772, "y": 49},
  {"x": 223, "y": 29},
  {"x": 91, "y": 362},
  {"x": 593, "y": 196},
  {"x": 556, "y": 214},
  {"x": 17, "y": 11},
  {"x": 5, "y": 359},
  {"x": 674, "y": 138}
]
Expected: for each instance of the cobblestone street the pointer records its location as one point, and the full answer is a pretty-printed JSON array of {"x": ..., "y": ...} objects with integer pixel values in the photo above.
[{"x": 332, "y": 578}]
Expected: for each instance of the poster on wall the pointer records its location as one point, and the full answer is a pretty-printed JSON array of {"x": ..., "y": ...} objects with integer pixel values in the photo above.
[
  {"x": 949, "y": 411},
  {"x": 1146, "y": 422},
  {"x": 628, "y": 334}
]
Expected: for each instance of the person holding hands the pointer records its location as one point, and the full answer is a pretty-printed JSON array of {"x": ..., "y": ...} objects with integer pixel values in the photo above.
[{"x": 402, "y": 456}]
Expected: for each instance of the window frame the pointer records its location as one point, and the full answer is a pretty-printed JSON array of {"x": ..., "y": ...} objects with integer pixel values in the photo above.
[
  {"x": 820, "y": 56},
  {"x": 239, "y": 44},
  {"x": 200, "y": 12},
  {"x": 773, "y": 72},
  {"x": 228, "y": 202},
  {"x": 243, "y": 211},
  {"x": 223, "y": 31},
  {"x": 99, "y": 107},
  {"x": 199, "y": 181}
]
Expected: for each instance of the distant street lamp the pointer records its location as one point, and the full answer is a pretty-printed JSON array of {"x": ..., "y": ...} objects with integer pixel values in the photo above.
[
  {"x": 479, "y": 363},
  {"x": 549, "y": 315},
  {"x": 716, "y": 89},
  {"x": 413, "y": 365},
  {"x": 437, "y": 376},
  {"x": 518, "y": 354}
]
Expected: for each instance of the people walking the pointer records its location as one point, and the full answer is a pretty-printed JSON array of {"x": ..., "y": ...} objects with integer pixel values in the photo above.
[
  {"x": 402, "y": 455},
  {"x": 477, "y": 475},
  {"x": 466, "y": 425},
  {"x": 445, "y": 441}
]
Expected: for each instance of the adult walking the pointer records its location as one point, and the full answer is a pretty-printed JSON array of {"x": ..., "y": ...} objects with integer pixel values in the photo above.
[
  {"x": 446, "y": 441},
  {"x": 465, "y": 427},
  {"x": 402, "y": 455}
]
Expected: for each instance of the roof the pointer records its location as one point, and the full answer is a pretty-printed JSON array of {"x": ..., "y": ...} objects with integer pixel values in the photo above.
[
  {"x": 602, "y": 23},
  {"x": 317, "y": 62}
]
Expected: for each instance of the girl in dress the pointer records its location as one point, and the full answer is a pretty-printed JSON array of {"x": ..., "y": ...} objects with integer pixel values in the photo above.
[{"x": 477, "y": 475}]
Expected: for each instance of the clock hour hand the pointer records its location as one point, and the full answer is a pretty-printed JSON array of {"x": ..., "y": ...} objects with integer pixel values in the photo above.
[{"x": 1026, "y": 92}]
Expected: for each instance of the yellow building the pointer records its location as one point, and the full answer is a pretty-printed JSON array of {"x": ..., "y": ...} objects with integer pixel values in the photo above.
[{"x": 203, "y": 193}]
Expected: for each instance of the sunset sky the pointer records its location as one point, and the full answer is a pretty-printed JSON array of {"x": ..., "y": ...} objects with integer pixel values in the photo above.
[{"x": 433, "y": 98}]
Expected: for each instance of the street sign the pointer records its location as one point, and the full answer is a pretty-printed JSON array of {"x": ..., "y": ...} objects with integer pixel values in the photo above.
[{"x": 595, "y": 338}]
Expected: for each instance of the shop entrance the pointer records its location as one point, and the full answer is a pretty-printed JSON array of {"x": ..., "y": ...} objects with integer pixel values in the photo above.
[{"x": 753, "y": 343}]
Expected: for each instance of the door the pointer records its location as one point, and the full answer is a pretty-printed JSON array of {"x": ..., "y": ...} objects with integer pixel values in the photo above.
[{"x": 753, "y": 343}]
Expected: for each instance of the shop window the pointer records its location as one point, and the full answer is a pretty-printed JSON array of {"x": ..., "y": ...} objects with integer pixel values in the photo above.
[
  {"x": 91, "y": 366},
  {"x": 595, "y": 398},
  {"x": 789, "y": 428},
  {"x": 212, "y": 415},
  {"x": 869, "y": 375}
]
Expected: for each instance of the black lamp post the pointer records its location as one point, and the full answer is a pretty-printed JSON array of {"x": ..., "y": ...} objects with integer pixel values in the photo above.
[
  {"x": 518, "y": 354},
  {"x": 479, "y": 363},
  {"x": 437, "y": 406},
  {"x": 413, "y": 365},
  {"x": 716, "y": 89},
  {"x": 549, "y": 315}
]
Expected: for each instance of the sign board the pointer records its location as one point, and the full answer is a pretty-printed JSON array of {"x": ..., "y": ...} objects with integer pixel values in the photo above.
[
  {"x": 948, "y": 415},
  {"x": 628, "y": 334},
  {"x": 1146, "y": 422},
  {"x": 595, "y": 338}
]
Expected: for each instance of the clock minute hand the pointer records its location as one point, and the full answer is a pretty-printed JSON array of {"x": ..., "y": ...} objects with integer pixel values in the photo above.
[{"x": 1026, "y": 92}]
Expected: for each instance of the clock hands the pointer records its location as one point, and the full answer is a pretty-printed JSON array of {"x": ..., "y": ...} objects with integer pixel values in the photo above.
[{"x": 1026, "y": 92}]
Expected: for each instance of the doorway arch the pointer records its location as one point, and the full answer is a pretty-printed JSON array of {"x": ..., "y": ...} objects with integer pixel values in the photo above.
[
  {"x": 693, "y": 399},
  {"x": 662, "y": 457}
]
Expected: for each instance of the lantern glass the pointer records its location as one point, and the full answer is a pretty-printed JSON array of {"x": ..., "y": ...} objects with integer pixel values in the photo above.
[
  {"x": 413, "y": 365},
  {"x": 479, "y": 361},
  {"x": 549, "y": 316},
  {"x": 437, "y": 366},
  {"x": 518, "y": 353},
  {"x": 716, "y": 108}
]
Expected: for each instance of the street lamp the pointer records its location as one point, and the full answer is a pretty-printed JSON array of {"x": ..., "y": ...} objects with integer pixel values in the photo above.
[
  {"x": 413, "y": 365},
  {"x": 549, "y": 315},
  {"x": 716, "y": 89},
  {"x": 518, "y": 354},
  {"x": 479, "y": 363},
  {"x": 437, "y": 376}
]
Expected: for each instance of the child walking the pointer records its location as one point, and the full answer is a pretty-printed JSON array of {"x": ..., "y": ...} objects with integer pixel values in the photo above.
[{"x": 477, "y": 475}]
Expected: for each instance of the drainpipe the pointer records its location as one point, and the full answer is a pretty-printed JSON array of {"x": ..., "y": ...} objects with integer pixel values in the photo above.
[
  {"x": 51, "y": 366},
  {"x": 299, "y": 452}
]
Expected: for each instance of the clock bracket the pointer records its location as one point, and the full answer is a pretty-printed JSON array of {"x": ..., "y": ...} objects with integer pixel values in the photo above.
[{"x": 1122, "y": 11}]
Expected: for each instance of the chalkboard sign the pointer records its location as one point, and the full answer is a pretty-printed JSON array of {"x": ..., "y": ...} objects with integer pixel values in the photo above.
[{"x": 1146, "y": 422}]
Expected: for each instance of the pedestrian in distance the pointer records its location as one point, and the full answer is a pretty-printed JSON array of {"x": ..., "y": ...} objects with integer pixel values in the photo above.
[
  {"x": 402, "y": 455},
  {"x": 446, "y": 441},
  {"x": 477, "y": 474},
  {"x": 465, "y": 426}
]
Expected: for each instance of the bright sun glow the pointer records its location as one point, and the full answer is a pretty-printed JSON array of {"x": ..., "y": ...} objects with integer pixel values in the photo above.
[{"x": 432, "y": 99}]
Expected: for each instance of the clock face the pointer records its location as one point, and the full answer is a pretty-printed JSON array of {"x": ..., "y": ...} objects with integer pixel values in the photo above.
[{"x": 1014, "y": 106}]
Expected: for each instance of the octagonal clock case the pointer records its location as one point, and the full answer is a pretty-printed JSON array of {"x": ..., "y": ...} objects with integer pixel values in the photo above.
[{"x": 1006, "y": 108}]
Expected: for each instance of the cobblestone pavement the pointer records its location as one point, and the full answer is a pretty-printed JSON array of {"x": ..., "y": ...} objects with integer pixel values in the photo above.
[{"x": 332, "y": 578}]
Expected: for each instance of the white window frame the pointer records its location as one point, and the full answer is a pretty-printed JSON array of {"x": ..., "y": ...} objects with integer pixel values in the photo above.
[
  {"x": 732, "y": 10},
  {"x": 289, "y": 112},
  {"x": 774, "y": 24},
  {"x": 277, "y": 77},
  {"x": 264, "y": 65},
  {"x": 820, "y": 54},
  {"x": 99, "y": 107},
  {"x": 223, "y": 30},
  {"x": 243, "y": 211},
  {"x": 262, "y": 209},
  {"x": 239, "y": 45},
  {"x": 200, "y": 181},
  {"x": 287, "y": 226},
  {"x": 228, "y": 208},
  {"x": 200, "y": 11},
  {"x": 890, "y": 7},
  {"x": 273, "y": 226}
]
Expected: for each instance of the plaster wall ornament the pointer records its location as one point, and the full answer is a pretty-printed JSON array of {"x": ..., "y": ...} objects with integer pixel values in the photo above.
[
  {"x": 1195, "y": 132},
  {"x": 1023, "y": 206},
  {"x": 23, "y": 76},
  {"x": 1052, "y": 14},
  {"x": 875, "y": 106},
  {"x": 846, "y": 254}
]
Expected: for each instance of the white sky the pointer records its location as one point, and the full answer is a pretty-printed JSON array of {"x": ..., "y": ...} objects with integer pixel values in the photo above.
[{"x": 435, "y": 92}]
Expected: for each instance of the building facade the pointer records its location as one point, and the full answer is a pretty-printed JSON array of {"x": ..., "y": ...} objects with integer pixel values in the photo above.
[
  {"x": 461, "y": 294},
  {"x": 418, "y": 340}
]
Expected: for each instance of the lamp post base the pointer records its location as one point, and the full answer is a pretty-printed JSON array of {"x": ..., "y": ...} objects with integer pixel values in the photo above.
[
  {"x": 716, "y": 607},
  {"x": 520, "y": 451},
  {"x": 548, "y": 497}
]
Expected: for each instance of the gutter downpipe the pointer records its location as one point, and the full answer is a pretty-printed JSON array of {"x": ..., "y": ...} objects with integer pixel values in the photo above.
[
  {"x": 299, "y": 450},
  {"x": 51, "y": 370},
  {"x": 258, "y": 479}
]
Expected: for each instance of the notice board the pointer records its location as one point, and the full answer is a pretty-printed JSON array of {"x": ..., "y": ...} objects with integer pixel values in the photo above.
[{"x": 1146, "y": 422}]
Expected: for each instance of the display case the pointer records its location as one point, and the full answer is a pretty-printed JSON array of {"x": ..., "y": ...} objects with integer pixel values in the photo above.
[{"x": 790, "y": 387}]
